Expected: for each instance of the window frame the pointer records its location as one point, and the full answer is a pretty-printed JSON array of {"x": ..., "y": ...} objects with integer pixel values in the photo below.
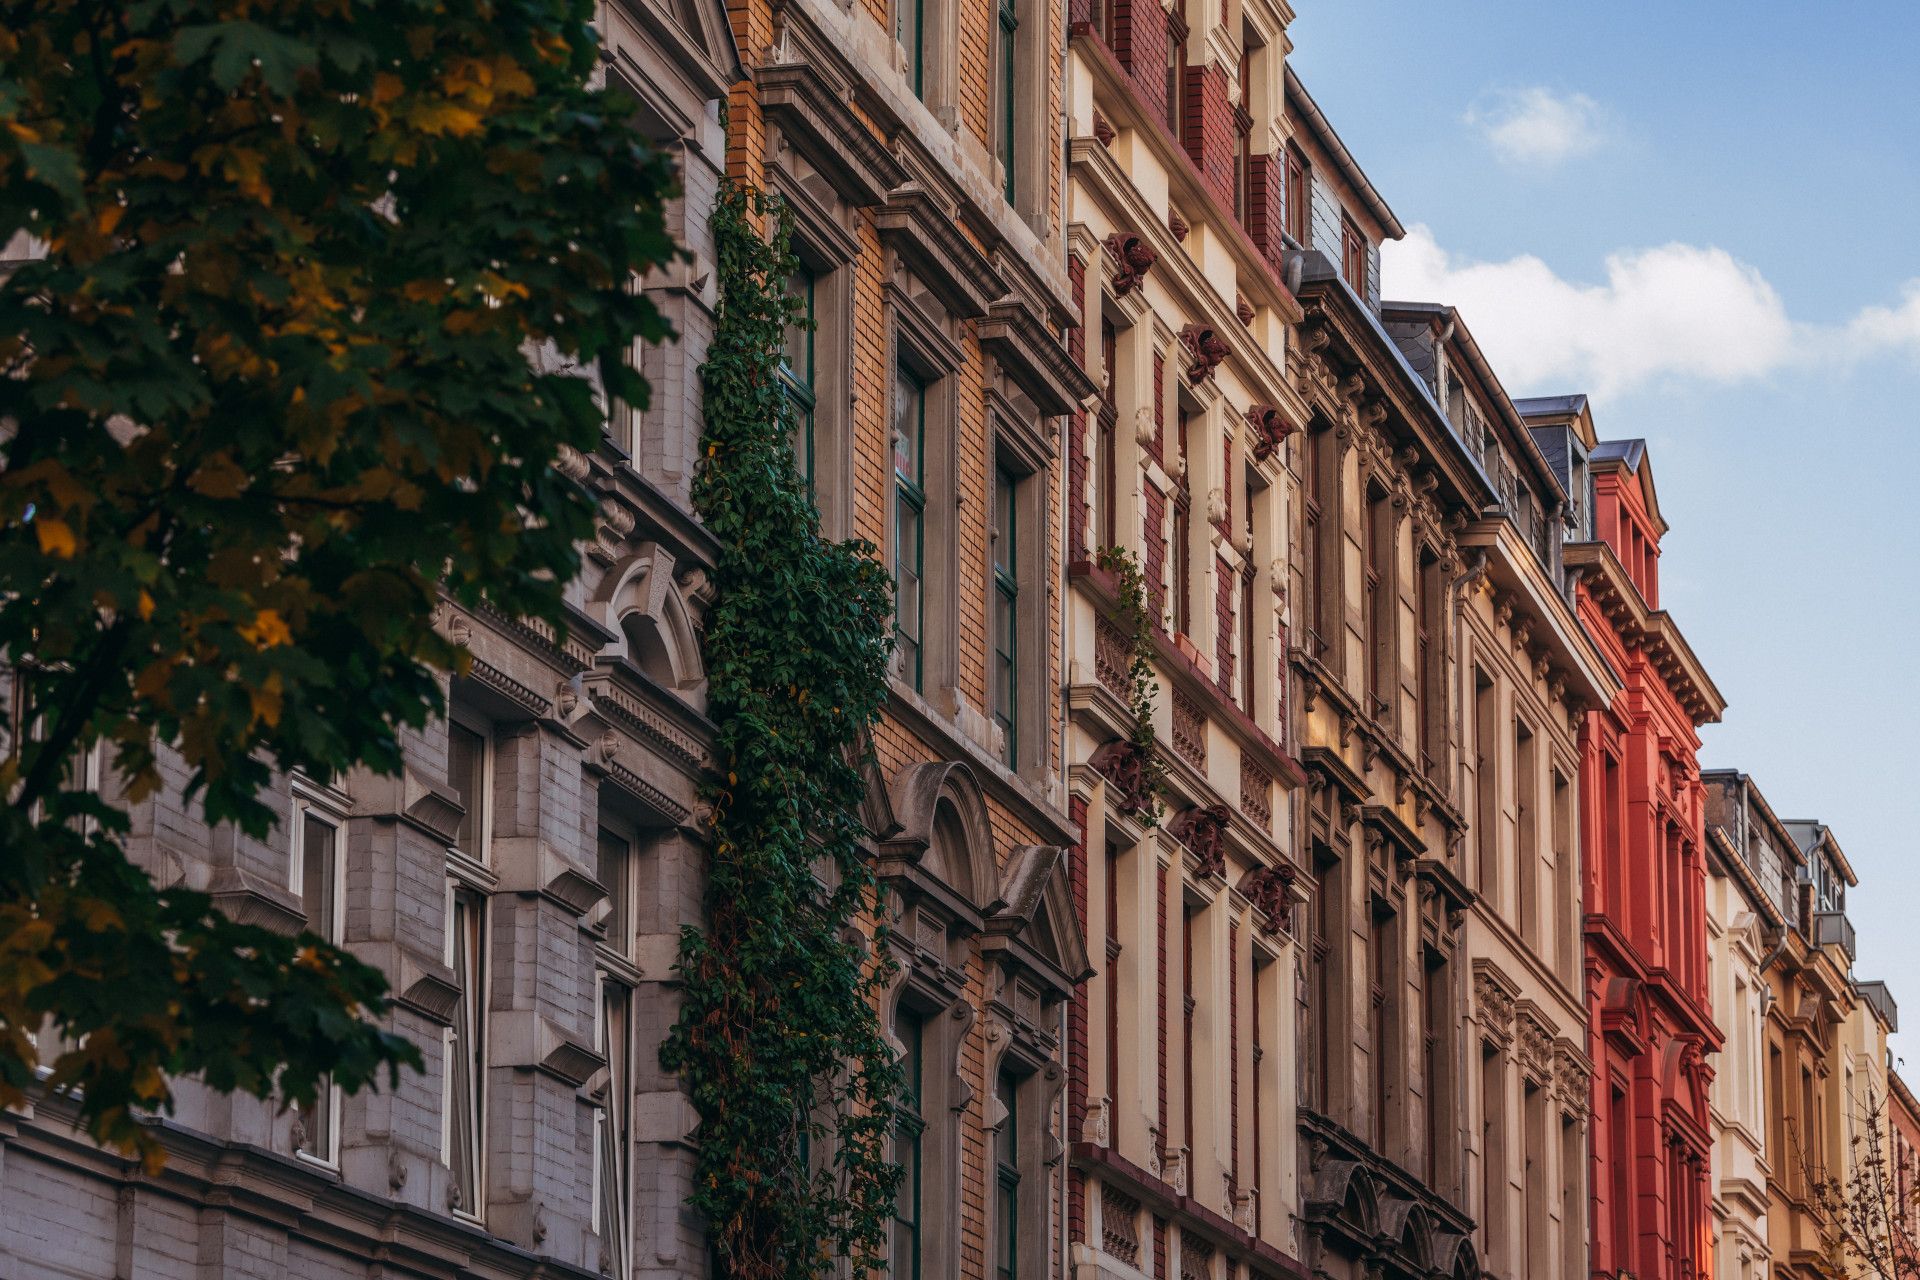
[
  {"x": 1298, "y": 199},
  {"x": 1355, "y": 252},
  {"x": 612, "y": 1120},
  {"x": 800, "y": 389},
  {"x": 479, "y": 993},
  {"x": 911, "y": 1128},
  {"x": 1004, "y": 691},
  {"x": 309, "y": 804},
  {"x": 910, "y": 495},
  {"x": 1007, "y": 128}
]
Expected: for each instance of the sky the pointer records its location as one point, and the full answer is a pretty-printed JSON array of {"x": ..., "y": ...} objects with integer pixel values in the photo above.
[{"x": 1703, "y": 214}]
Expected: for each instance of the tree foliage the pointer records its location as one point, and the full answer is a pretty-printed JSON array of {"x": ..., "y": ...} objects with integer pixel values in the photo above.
[
  {"x": 267, "y": 395},
  {"x": 1870, "y": 1211},
  {"x": 1142, "y": 686},
  {"x": 778, "y": 1037}
]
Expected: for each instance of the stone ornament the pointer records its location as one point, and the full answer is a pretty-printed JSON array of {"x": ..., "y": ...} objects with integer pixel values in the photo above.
[
  {"x": 1270, "y": 428},
  {"x": 1203, "y": 830},
  {"x": 1205, "y": 351},
  {"x": 1132, "y": 258}
]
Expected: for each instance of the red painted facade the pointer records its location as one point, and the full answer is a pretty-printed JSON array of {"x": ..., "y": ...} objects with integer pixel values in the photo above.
[{"x": 1650, "y": 1025}]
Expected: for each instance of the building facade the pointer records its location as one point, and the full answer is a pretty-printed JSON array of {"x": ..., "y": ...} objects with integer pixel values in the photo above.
[
  {"x": 1651, "y": 1026},
  {"x": 522, "y": 882},
  {"x": 916, "y": 145},
  {"x": 1185, "y": 1163},
  {"x": 1386, "y": 484},
  {"x": 1526, "y": 671},
  {"x": 1751, "y": 863}
]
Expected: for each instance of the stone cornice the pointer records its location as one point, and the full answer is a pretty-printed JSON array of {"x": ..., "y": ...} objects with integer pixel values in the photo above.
[
  {"x": 921, "y": 229},
  {"x": 1654, "y": 630},
  {"x": 813, "y": 115},
  {"x": 1034, "y": 358}
]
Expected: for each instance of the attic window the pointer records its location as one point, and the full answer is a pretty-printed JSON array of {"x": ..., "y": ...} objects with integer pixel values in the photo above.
[{"x": 1353, "y": 256}]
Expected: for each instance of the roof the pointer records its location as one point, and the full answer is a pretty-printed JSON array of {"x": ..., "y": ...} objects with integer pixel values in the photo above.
[
  {"x": 1460, "y": 336},
  {"x": 1631, "y": 455},
  {"x": 1550, "y": 406},
  {"x": 1323, "y": 133},
  {"x": 1810, "y": 834}
]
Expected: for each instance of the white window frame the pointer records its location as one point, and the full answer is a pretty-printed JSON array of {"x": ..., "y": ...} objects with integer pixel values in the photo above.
[
  {"x": 473, "y": 1213},
  {"x": 310, "y": 801}
]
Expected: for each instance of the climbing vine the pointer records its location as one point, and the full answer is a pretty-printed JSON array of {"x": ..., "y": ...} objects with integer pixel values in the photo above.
[
  {"x": 1141, "y": 685},
  {"x": 778, "y": 1037}
]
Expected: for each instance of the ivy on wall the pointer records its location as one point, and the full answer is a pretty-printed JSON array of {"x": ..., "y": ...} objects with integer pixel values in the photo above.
[
  {"x": 1141, "y": 685},
  {"x": 778, "y": 1038}
]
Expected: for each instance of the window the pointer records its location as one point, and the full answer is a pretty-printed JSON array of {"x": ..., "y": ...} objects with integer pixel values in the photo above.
[
  {"x": 1353, "y": 256},
  {"x": 1176, "y": 74},
  {"x": 1434, "y": 1056},
  {"x": 612, "y": 1151},
  {"x": 1107, "y": 457},
  {"x": 910, "y": 1027},
  {"x": 797, "y": 369},
  {"x": 317, "y": 872},
  {"x": 1243, "y": 135},
  {"x": 1429, "y": 657},
  {"x": 1110, "y": 977},
  {"x": 1526, "y": 816},
  {"x": 616, "y": 875},
  {"x": 1006, "y": 614},
  {"x": 1006, "y": 1168},
  {"x": 1328, "y": 929},
  {"x": 1183, "y": 537},
  {"x": 1382, "y": 1006},
  {"x": 1299, "y": 197},
  {"x": 1539, "y": 1261},
  {"x": 909, "y": 520},
  {"x": 1566, "y": 881},
  {"x": 909, "y": 18},
  {"x": 1315, "y": 575},
  {"x": 1189, "y": 1006},
  {"x": 1004, "y": 125},
  {"x": 1381, "y": 605},
  {"x": 469, "y": 766},
  {"x": 466, "y": 1068},
  {"x": 1620, "y": 1127},
  {"x": 1493, "y": 1155},
  {"x": 1486, "y": 783}
]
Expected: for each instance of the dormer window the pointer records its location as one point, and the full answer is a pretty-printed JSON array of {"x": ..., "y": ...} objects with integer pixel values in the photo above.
[
  {"x": 1299, "y": 197},
  {"x": 1353, "y": 256}
]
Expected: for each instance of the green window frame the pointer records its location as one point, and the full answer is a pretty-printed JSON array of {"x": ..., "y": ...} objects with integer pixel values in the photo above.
[
  {"x": 797, "y": 369},
  {"x": 1006, "y": 131},
  {"x": 910, "y": 1027},
  {"x": 1006, "y": 1169},
  {"x": 1006, "y": 612},
  {"x": 909, "y": 519}
]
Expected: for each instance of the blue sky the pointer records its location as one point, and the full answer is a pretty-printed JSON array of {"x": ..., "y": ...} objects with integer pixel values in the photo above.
[{"x": 1704, "y": 214}]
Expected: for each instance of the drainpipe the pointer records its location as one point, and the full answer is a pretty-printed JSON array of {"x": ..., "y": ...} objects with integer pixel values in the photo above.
[{"x": 1066, "y": 1144}]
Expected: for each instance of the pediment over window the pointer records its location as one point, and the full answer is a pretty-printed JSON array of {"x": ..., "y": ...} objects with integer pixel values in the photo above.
[
  {"x": 641, "y": 602},
  {"x": 694, "y": 34},
  {"x": 944, "y": 846},
  {"x": 1037, "y": 927}
]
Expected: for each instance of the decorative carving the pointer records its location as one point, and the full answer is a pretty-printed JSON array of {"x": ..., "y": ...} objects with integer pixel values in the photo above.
[
  {"x": 1177, "y": 224},
  {"x": 571, "y": 463},
  {"x": 1205, "y": 350},
  {"x": 1132, "y": 259},
  {"x": 1103, "y": 130},
  {"x": 1535, "y": 1048},
  {"x": 1097, "y": 1128},
  {"x": 1243, "y": 309},
  {"x": 1119, "y": 1225},
  {"x": 1256, "y": 792},
  {"x": 1189, "y": 730},
  {"x": 1269, "y": 429},
  {"x": 1203, "y": 830},
  {"x": 1124, "y": 767},
  {"x": 1270, "y": 890},
  {"x": 1112, "y": 656},
  {"x": 1493, "y": 1005}
]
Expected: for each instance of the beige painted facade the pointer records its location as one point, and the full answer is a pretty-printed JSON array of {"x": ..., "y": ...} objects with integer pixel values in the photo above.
[
  {"x": 1744, "y": 924},
  {"x": 1186, "y": 1162},
  {"x": 1525, "y": 669}
]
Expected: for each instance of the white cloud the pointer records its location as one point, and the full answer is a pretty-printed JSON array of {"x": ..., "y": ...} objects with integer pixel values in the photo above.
[
  {"x": 1674, "y": 311},
  {"x": 1535, "y": 126},
  {"x": 1886, "y": 328}
]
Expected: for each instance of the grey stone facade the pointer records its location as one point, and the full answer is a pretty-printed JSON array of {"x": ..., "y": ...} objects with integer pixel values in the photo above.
[{"x": 552, "y": 825}]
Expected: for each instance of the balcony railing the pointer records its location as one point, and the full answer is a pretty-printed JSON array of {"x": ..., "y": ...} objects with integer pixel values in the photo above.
[{"x": 1833, "y": 929}]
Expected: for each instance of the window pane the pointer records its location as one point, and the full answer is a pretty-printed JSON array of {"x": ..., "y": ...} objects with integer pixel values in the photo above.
[
  {"x": 316, "y": 875},
  {"x": 466, "y": 1054},
  {"x": 615, "y": 873},
  {"x": 1007, "y": 1181},
  {"x": 910, "y": 1027},
  {"x": 466, "y": 774},
  {"x": 909, "y": 425}
]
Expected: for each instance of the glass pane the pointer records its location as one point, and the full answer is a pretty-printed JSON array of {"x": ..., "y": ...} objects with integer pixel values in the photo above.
[
  {"x": 1006, "y": 520},
  {"x": 466, "y": 774},
  {"x": 797, "y": 354},
  {"x": 614, "y": 871},
  {"x": 316, "y": 875},
  {"x": 909, "y": 424}
]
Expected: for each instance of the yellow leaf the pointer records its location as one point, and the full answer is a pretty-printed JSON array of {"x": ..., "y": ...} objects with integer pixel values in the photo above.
[
  {"x": 266, "y": 701},
  {"x": 267, "y": 630},
  {"x": 145, "y": 606},
  {"x": 56, "y": 539}
]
